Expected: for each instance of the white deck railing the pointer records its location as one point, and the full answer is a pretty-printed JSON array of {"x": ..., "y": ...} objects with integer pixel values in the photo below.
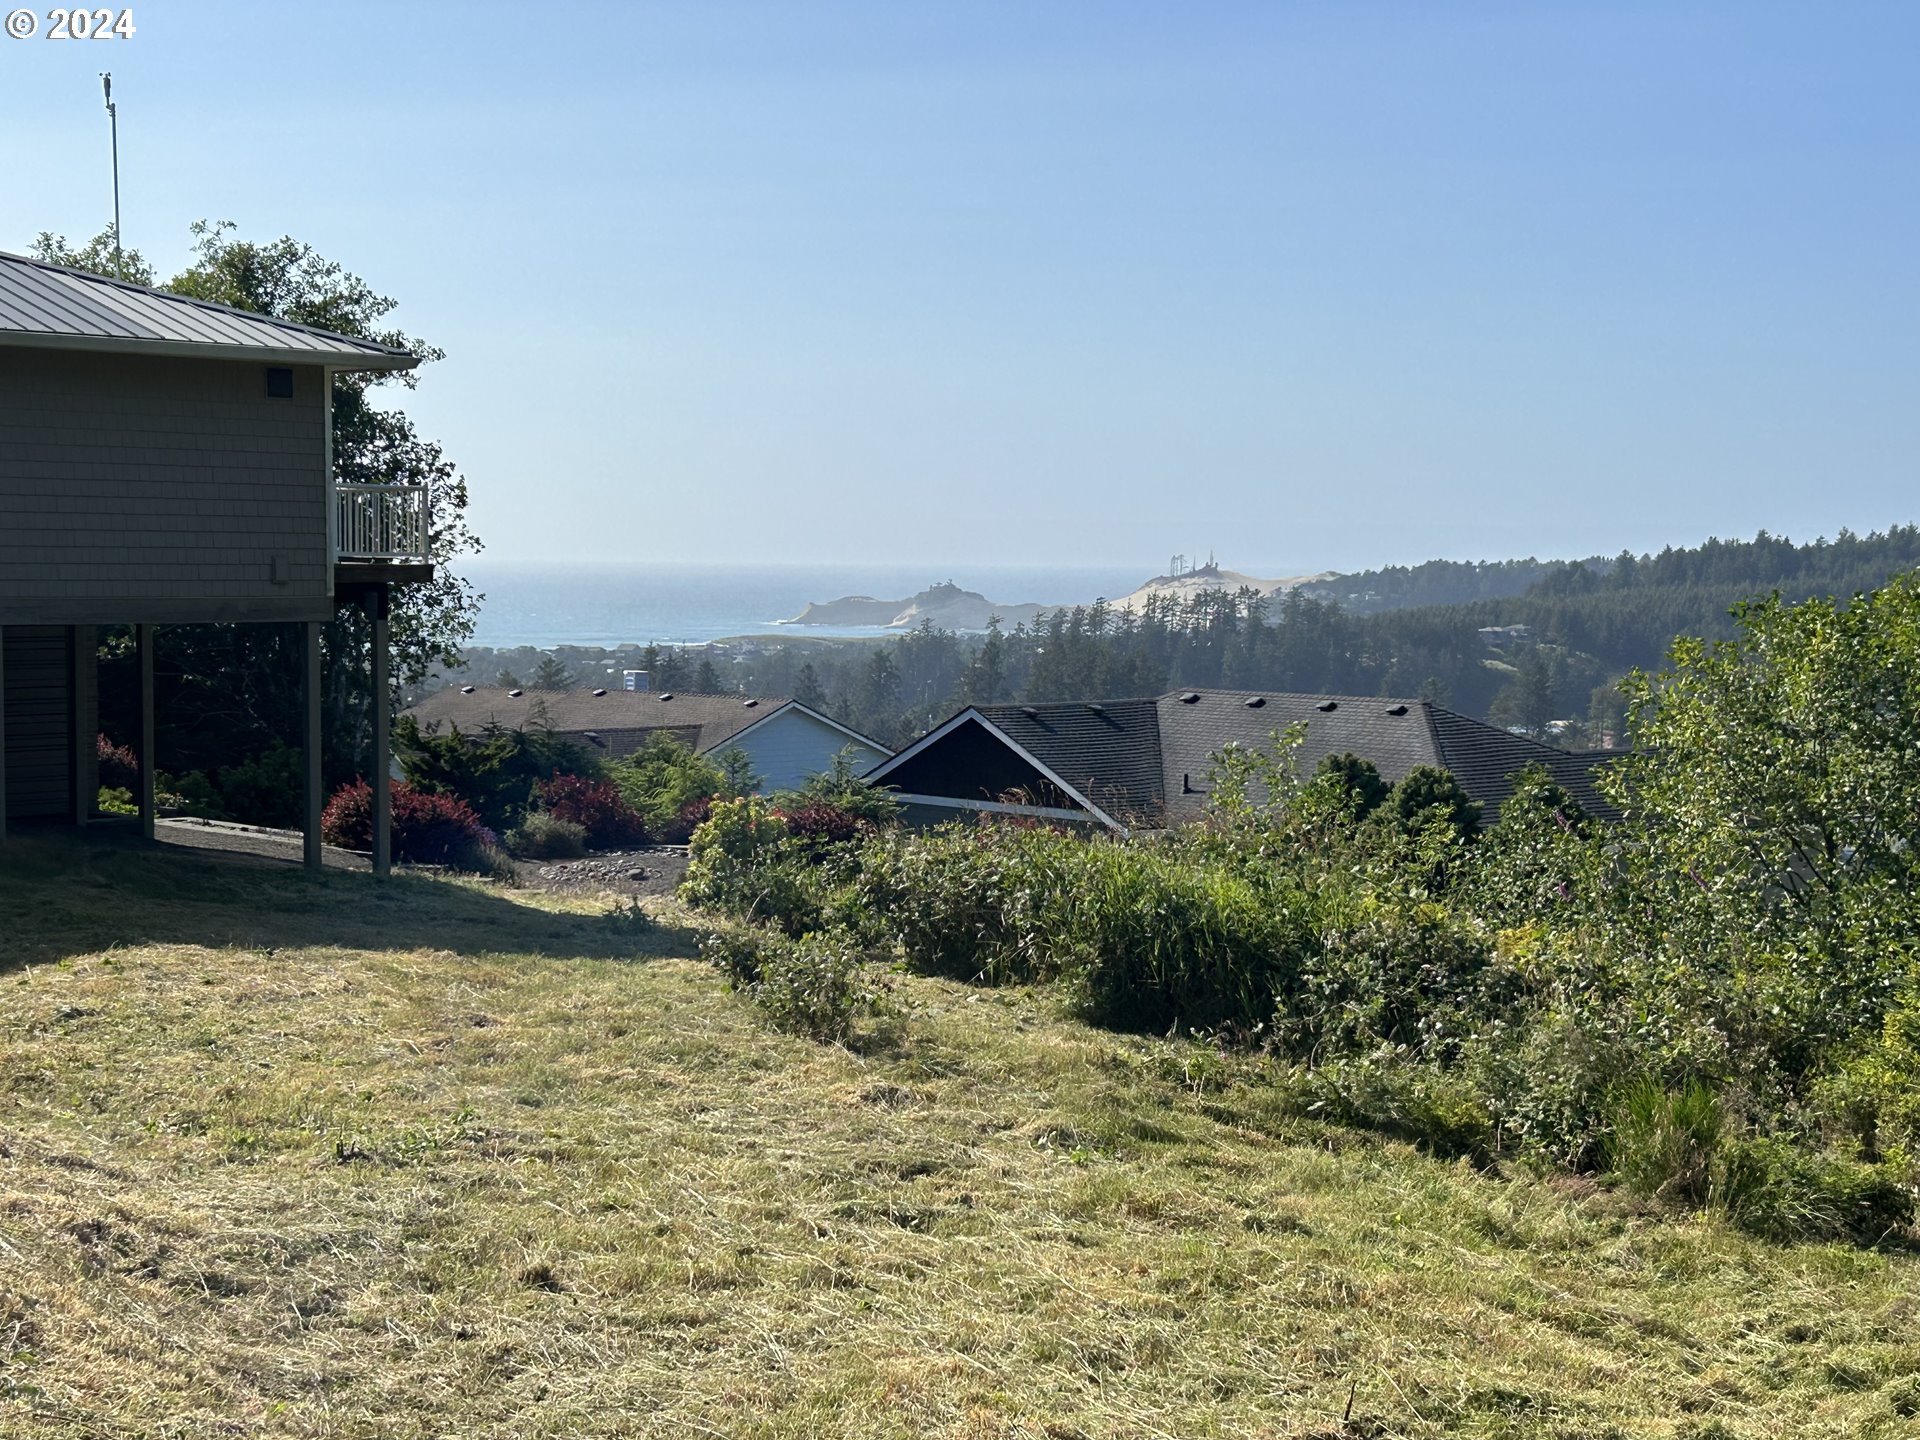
[{"x": 381, "y": 522}]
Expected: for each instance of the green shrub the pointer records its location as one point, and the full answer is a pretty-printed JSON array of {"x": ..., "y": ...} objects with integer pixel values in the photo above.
[
  {"x": 663, "y": 777},
  {"x": 743, "y": 863},
  {"x": 494, "y": 771},
  {"x": 546, "y": 837},
  {"x": 1871, "y": 1097},
  {"x": 1547, "y": 1081},
  {"x": 739, "y": 951},
  {"x": 817, "y": 986},
  {"x": 840, "y": 787},
  {"x": 1768, "y": 1187},
  {"x": 1389, "y": 1090},
  {"x": 1151, "y": 936},
  {"x": 945, "y": 898},
  {"x": 116, "y": 801},
  {"x": 1162, "y": 938},
  {"x": 191, "y": 794},
  {"x": 1427, "y": 791},
  {"x": 1384, "y": 969},
  {"x": 267, "y": 789}
]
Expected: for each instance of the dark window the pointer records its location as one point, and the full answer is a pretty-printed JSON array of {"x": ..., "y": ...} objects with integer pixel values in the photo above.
[{"x": 279, "y": 383}]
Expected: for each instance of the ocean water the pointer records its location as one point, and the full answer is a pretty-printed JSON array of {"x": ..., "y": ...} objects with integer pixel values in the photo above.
[{"x": 685, "y": 603}]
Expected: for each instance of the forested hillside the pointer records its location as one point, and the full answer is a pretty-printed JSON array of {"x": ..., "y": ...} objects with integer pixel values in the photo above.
[{"x": 1586, "y": 624}]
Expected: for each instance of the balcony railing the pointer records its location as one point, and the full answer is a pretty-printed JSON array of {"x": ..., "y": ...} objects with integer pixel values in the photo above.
[{"x": 381, "y": 522}]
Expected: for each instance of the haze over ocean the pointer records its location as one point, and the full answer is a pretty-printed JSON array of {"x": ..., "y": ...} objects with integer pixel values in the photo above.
[{"x": 689, "y": 602}]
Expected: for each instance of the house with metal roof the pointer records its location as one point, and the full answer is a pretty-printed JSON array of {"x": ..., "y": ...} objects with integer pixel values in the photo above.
[
  {"x": 165, "y": 461},
  {"x": 1127, "y": 765},
  {"x": 785, "y": 742}
]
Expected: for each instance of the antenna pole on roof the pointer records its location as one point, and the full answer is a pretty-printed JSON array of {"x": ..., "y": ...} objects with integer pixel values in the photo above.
[{"x": 113, "y": 118}]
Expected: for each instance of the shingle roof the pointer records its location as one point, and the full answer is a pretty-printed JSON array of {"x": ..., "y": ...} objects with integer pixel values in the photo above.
[
  {"x": 51, "y": 306},
  {"x": 1109, "y": 752},
  {"x": 1193, "y": 731},
  {"x": 708, "y": 721},
  {"x": 1146, "y": 762}
]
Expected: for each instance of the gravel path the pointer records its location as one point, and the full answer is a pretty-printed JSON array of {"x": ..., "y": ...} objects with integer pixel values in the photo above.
[
  {"x": 254, "y": 840},
  {"x": 653, "y": 871},
  {"x": 656, "y": 870}
]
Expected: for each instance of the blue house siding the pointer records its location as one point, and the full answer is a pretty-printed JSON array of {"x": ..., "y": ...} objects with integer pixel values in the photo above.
[{"x": 791, "y": 747}]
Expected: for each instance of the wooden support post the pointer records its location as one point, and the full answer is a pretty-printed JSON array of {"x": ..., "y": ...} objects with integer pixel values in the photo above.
[
  {"x": 3, "y": 734},
  {"x": 149, "y": 753},
  {"x": 85, "y": 694},
  {"x": 378, "y": 606},
  {"x": 310, "y": 695}
]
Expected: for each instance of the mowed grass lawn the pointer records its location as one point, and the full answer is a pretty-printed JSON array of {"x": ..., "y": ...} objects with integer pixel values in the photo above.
[{"x": 284, "y": 1156}]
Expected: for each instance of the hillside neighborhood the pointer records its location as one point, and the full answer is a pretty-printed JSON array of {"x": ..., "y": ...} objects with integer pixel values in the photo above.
[{"x": 639, "y": 861}]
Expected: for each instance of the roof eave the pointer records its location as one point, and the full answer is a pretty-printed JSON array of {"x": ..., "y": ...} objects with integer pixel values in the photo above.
[{"x": 119, "y": 345}]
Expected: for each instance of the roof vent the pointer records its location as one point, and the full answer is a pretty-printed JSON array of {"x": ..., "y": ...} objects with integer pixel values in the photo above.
[
  {"x": 1396, "y": 709},
  {"x": 750, "y": 703},
  {"x": 515, "y": 694},
  {"x": 1192, "y": 697},
  {"x": 279, "y": 382},
  {"x": 466, "y": 689},
  {"x": 1256, "y": 702},
  {"x": 665, "y": 696},
  {"x": 600, "y": 692},
  {"x": 1328, "y": 705},
  {"x": 1030, "y": 712},
  {"x": 593, "y": 735},
  {"x": 1093, "y": 709}
]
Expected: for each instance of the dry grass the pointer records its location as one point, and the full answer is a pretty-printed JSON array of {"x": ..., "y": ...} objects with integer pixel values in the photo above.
[{"x": 292, "y": 1157}]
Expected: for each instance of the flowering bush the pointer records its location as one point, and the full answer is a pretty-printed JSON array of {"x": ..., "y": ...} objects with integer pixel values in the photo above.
[
  {"x": 119, "y": 766},
  {"x": 596, "y": 806},
  {"x": 427, "y": 829}
]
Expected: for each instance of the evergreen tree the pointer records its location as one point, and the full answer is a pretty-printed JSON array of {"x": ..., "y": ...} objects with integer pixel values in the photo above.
[
  {"x": 1359, "y": 782},
  {"x": 552, "y": 674},
  {"x": 706, "y": 679},
  {"x": 807, "y": 688},
  {"x": 985, "y": 680},
  {"x": 1427, "y": 789}
]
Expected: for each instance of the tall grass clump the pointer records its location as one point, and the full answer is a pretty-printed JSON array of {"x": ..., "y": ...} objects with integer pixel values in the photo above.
[{"x": 1664, "y": 1140}]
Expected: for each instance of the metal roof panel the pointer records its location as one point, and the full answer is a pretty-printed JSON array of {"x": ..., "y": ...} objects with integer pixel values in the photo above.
[{"x": 56, "y": 306}]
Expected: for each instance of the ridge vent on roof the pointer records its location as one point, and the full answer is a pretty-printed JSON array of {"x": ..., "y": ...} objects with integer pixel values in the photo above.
[
  {"x": 1096, "y": 709},
  {"x": 1256, "y": 702},
  {"x": 600, "y": 692},
  {"x": 1192, "y": 697},
  {"x": 1030, "y": 712},
  {"x": 750, "y": 703},
  {"x": 1396, "y": 709},
  {"x": 665, "y": 695},
  {"x": 1328, "y": 705}
]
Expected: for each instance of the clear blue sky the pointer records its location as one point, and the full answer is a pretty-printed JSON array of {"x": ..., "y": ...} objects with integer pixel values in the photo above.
[{"x": 1326, "y": 284}]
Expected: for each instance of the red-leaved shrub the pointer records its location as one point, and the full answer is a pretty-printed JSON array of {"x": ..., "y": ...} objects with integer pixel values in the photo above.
[
  {"x": 818, "y": 824},
  {"x": 427, "y": 829},
  {"x": 595, "y": 805},
  {"x": 693, "y": 814},
  {"x": 119, "y": 766}
]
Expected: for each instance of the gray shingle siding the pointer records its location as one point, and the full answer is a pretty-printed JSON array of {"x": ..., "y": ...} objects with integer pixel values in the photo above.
[{"x": 159, "y": 489}]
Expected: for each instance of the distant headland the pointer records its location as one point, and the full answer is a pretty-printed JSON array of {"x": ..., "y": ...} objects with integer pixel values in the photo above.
[{"x": 949, "y": 607}]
